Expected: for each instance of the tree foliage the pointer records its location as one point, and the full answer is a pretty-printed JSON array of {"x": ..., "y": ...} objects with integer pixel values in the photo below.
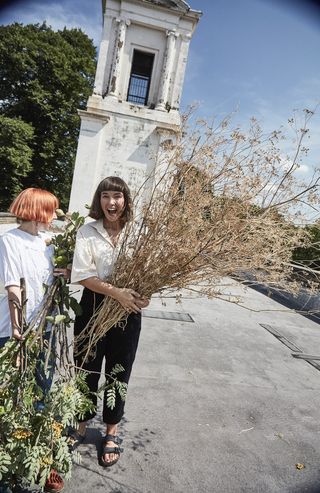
[
  {"x": 46, "y": 76},
  {"x": 15, "y": 156},
  {"x": 309, "y": 254}
]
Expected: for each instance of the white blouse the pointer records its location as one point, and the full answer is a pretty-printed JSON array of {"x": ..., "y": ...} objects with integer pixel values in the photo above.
[{"x": 95, "y": 254}]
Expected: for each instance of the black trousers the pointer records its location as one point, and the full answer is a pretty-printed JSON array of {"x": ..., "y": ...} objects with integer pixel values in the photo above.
[{"x": 119, "y": 345}]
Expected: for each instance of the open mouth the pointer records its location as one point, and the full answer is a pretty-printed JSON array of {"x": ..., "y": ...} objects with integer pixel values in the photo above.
[{"x": 112, "y": 212}]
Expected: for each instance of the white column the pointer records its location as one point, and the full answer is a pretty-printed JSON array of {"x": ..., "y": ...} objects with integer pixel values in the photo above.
[
  {"x": 166, "y": 71},
  {"x": 117, "y": 58},
  {"x": 98, "y": 83},
  {"x": 181, "y": 69},
  {"x": 100, "y": 79},
  {"x": 87, "y": 165}
]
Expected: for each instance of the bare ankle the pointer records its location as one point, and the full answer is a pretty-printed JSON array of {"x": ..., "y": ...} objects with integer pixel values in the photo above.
[
  {"x": 111, "y": 429},
  {"x": 82, "y": 428}
]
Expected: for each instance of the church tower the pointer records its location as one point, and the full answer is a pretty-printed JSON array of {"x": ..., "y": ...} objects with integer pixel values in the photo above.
[{"x": 136, "y": 97}]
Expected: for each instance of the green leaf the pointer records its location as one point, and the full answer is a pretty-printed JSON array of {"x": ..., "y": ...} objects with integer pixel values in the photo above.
[
  {"x": 111, "y": 397},
  {"x": 74, "y": 216},
  {"x": 116, "y": 369},
  {"x": 76, "y": 308}
]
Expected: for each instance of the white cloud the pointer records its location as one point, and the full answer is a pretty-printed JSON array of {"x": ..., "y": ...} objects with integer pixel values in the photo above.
[
  {"x": 58, "y": 15},
  {"x": 303, "y": 169}
]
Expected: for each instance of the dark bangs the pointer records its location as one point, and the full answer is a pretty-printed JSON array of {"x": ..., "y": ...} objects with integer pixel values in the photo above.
[{"x": 112, "y": 184}]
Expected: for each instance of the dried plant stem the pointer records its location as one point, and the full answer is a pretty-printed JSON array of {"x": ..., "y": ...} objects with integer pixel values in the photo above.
[{"x": 222, "y": 203}]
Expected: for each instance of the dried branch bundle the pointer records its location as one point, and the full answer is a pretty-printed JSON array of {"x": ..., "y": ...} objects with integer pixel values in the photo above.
[{"x": 221, "y": 202}]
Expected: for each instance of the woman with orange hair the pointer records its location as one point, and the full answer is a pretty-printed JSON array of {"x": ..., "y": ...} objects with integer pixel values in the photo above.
[{"x": 25, "y": 254}]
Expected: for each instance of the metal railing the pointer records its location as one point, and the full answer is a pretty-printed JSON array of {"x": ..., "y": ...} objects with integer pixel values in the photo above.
[{"x": 138, "y": 89}]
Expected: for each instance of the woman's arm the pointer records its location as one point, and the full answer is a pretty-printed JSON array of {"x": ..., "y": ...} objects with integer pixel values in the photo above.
[
  {"x": 14, "y": 301},
  {"x": 10, "y": 275},
  {"x": 128, "y": 298}
]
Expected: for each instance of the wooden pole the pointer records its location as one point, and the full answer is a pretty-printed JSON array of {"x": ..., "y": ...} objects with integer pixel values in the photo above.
[{"x": 23, "y": 322}]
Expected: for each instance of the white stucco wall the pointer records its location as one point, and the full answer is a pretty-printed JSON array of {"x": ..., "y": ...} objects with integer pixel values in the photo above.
[
  {"x": 118, "y": 137},
  {"x": 146, "y": 28},
  {"x": 124, "y": 146}
]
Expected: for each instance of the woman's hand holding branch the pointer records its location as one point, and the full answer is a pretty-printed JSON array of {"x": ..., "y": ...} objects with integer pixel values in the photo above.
[
  {"x": 16, "y": 333},
  {"x": 127, "y": 297},
  {"x": 130, "y": 299},
  {"x": 142, "y": 302},
  {"x": 65, "y": 273}
]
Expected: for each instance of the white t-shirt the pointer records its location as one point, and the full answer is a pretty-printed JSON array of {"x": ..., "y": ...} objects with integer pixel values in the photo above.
[{"x": 27, "y": 256}]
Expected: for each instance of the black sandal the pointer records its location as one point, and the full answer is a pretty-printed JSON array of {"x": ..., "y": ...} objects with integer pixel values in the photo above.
[
  {"x": 110, "y": 450},
  {"x": 75, "y": 439}
]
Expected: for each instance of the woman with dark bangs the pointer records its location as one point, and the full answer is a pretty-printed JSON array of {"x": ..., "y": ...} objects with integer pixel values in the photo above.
[
  {"x": 24, "y": 253},
  {"x": 96, "y": 251}
]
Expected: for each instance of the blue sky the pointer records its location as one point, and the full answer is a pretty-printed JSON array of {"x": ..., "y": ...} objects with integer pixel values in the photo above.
[{"x": 258, "y": 57}]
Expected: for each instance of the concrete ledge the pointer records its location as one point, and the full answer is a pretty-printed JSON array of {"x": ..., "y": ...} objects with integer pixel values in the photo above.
[{"x": 7, "y": 218}]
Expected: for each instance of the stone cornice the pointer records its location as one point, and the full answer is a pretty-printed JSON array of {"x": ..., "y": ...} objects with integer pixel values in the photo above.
[{"x": 103, "y": 110}]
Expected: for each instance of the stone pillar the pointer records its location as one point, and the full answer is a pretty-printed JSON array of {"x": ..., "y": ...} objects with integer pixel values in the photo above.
[
  {"x": 100, "y": 79},
  {"x": 117, "y": 58},
  {"x": 166, "y": 71},
  {"x": 87, "y": 167},
  {"x": 182, "y": 64}
]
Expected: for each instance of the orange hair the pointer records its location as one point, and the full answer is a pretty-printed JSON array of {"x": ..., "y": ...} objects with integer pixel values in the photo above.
[{"x": 34, "y": 204}]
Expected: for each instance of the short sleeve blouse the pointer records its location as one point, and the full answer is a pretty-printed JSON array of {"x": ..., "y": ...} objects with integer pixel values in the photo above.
[{"x": 95, "y": 254}]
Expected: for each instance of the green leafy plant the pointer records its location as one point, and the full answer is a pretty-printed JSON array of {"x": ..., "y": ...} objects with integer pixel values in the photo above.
[
  {"x": 33, "y": 438},
  {"x": 34, "y": 419}
]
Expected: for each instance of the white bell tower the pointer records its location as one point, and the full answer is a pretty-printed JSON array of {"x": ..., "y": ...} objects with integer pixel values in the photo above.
[{"x": 136, "y": 97}]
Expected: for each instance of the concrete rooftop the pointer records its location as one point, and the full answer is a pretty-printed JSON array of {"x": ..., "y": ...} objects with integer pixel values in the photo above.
[{"x": 218, "y": 405}]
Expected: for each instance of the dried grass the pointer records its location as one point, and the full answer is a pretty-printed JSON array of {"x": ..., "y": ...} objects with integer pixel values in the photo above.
[{"x": 221, "y": 203}]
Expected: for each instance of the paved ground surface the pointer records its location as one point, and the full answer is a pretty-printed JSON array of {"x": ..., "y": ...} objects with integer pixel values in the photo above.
[{"x": 218, "y": 405}]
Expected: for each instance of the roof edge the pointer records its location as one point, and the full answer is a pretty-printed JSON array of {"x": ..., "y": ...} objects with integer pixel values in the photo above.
[{"x": 181, "y": 6}]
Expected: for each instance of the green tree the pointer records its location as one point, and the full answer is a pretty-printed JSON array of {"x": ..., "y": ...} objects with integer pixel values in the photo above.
[
  {"x": 309, "y": 255},
  {"x": 46, "y": 76},
  {"x": 15, "y": 157}
]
